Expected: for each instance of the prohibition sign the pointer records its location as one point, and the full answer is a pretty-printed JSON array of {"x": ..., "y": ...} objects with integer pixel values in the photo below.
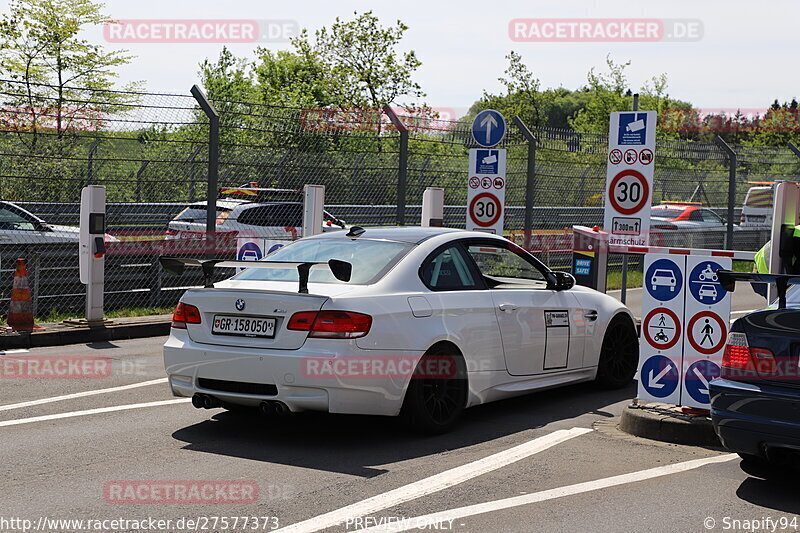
[
  {"x": 720, "y": 324},
  {"x": 615, "y": 156},
  {"x": 646, "y": 330},
  {"x": 474, "y": 182},
  {"x": 485, "y": 202},
  {"x": 646, "y": 156},
  {"x": 631, "y": 156},
  {"x": 633, "y": 188}
]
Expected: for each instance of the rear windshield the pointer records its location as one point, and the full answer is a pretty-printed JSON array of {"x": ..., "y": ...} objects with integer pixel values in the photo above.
[
  {"x": 370, "y": 259},
  {"x": 666, "y": 213},
  {"x": 198, "y": 214}
]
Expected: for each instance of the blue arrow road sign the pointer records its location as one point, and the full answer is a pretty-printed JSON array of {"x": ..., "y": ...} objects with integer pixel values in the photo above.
[
  {"x": 697, "y": 378},
  {"x": 659, "y": 376},
  {"x": 488, "y": 128},
  {"x": 663, "y": 280}
]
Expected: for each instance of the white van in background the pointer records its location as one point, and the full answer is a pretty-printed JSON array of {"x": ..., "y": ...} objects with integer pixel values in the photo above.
[{"x": 757, "y": 207}]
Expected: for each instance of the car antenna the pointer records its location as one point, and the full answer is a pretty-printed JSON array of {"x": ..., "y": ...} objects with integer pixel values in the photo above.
[{"x": 355, "y": 232}]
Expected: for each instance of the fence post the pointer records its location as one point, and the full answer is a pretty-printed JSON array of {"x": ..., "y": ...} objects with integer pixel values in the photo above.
[
  {"x": 213, "y": 167},
  {"x": 530, "y": 181},
  {"x": 795, "y": 150},
  {"x": 90, "y": 162},
  {"x": 35, "y": 272},
  {"x": 191, "y": 172},
  {"x": 139, "y": 180},
  {"x": 402, "y": 164},
  {"x": 731, "y": 155}
]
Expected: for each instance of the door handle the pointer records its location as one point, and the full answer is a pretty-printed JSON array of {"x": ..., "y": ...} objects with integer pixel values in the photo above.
[
  {"x": 591, "y": 315},
  {"x": 507, "y": 308}
]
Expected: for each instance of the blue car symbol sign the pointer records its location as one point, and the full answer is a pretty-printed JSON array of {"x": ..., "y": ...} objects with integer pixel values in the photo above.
[{"x": 663, "y": 280}]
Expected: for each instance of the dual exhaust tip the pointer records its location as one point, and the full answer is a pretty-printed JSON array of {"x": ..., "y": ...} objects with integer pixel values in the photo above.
[{"x": 266, "y": 408}]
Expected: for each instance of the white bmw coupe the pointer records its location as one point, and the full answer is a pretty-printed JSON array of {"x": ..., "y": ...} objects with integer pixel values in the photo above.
[{"x": 418, "y": 322}]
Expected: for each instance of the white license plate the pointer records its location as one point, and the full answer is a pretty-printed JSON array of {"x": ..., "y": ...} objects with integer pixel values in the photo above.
[{"x": 244, "y": 326}]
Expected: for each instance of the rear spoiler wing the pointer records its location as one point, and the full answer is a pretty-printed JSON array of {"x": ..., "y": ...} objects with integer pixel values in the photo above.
[
  {"x": 342, "y": 270},
  {"x": 728, "y": 281}
]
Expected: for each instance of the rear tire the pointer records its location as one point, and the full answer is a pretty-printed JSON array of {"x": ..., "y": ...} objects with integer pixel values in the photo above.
[
  {"x": 434, "y": 404},
  {"x": 619, "y": 355}
]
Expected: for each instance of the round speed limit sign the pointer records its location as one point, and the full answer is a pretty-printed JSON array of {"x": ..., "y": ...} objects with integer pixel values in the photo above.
[
  {"x": 629, "y": 192},
  {"x": 485, "y": 209}
]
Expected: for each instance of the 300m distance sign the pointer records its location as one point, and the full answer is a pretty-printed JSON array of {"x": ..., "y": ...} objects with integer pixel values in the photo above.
[
  {"x": 628, "y": 192},
  {"x": 485, "y": 209}
]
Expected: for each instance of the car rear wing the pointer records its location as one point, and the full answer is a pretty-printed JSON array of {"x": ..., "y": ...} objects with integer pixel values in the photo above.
[
  {"x": 342, "y": 270},
  {"x": 728, "y": 281}
]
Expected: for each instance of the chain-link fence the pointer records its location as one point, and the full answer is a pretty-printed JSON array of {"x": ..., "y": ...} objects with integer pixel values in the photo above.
[{"x": 152, "y": 151}]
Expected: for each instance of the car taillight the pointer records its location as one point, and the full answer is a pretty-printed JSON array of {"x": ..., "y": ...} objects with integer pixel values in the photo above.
[
  {"x": 331, "y": 324},
  {"x": 172, "y": 231},
  {"x": 185, "y": 314},
  {"x": 743, "y": 219},
  {"x": 739, "y": 356}
]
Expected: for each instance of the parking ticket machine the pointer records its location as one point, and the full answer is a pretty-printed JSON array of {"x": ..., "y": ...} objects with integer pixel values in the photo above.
[{"x": 92, "y": 249}]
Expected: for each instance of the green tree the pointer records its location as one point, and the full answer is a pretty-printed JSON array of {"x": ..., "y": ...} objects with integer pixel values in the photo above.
[
  {"x": 41, "y": 46},
  {"x": 359, "y": 62},
  {"x": 607, "y": 92}
]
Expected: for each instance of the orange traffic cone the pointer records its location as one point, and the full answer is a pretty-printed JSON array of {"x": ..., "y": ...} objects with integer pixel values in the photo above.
[{"x": 20, "y": 310}]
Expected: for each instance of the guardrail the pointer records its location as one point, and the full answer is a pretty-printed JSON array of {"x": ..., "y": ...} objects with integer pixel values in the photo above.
[{"x": 158, "y": 215}]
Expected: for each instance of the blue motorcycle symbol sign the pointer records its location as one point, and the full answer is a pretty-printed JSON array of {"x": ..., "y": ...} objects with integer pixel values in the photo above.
[{"x": 704, "y": 283}]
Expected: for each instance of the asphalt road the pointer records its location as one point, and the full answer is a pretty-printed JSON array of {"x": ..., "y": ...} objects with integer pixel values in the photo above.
[{"x": 551, "y": 461}]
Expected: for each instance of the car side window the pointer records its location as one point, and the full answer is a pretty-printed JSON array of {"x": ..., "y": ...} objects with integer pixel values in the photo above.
[
  {"x": 448, "y": 270},
  {"x": 10, "y": 220},
  {"x": 503, "y": 267},
  {"x": 696, "y": 216},
  {"x": 710, "y": 216}
]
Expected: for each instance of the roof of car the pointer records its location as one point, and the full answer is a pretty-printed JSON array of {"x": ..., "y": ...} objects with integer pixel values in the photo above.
[
  {"x": 228, "y": 203},
  {"x": 410, "y": 234}
]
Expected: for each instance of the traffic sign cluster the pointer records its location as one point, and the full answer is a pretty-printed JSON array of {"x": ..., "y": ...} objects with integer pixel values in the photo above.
[
  {"x": 686, "y": 312},
  {"x": 629, "y": 177}
]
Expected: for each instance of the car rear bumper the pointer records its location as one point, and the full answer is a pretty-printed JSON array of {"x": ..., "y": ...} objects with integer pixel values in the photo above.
[
  {"x": 755, "y": 419},
  {"x": 294, "y": 377}
]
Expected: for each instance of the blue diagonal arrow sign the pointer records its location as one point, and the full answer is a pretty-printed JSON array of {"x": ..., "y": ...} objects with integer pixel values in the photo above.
[{"x": 488, "y": 128}]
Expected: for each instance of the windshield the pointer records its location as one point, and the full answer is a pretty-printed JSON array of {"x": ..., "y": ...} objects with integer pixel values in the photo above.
[
  {"x": 370, "y": 259},
  {"x": 793, "y": 296},
  {"x": 198, "y": 214}
]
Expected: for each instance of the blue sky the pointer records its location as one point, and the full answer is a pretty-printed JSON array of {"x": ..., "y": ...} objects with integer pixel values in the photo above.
[{"x": 746, "y": 58}]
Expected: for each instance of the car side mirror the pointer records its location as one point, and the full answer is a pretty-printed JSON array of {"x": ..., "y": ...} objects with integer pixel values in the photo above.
[{"x": 561, "y": 281}]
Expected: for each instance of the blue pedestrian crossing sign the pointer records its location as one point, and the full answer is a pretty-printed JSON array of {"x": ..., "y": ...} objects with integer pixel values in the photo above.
[
  {"x": 697, "y": 379},
  {"x": 659, "y": 376},
  {"x": 488, "y": 128}
]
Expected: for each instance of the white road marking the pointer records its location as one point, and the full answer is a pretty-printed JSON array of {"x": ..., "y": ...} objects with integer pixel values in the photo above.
[
  {"x": 434, "y": 483},
  {"x": 91, "y": 412},
  {"x": 81, "y": 394},
  {"x": 744, "y": 312},
  {"x": 551, "y": 494},
  {"x": 7, "y": 352}
]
